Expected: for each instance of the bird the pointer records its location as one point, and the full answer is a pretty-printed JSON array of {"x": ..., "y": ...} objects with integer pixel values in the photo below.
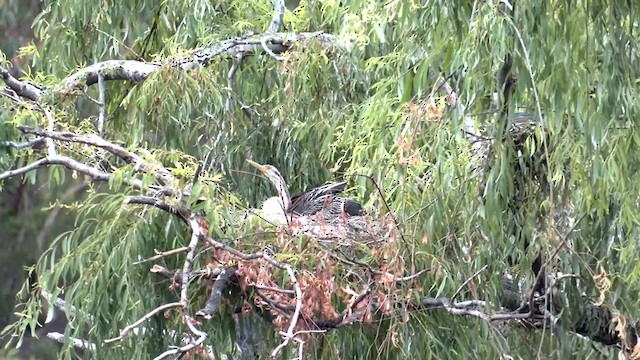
[{"x": 323, "y": 199}]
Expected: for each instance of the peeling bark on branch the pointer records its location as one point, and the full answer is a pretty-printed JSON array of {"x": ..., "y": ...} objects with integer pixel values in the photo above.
[{"x": 138, "y": 71}]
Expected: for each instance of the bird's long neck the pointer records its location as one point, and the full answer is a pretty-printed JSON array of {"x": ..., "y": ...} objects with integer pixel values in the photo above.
[{"x": 283, "y": 193}]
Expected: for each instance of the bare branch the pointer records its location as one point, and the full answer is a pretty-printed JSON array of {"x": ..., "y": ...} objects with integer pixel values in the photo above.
[
  {"x": 158, "y": 203},
  {"x": 253, "y": 44},
  {"x": 184, "y": 299},
  {"x": 97, "y": 141},
  {"x": 231, "y": 78},
  {"x": 77, "y": 343},
  {"x": 102, "y": 103},
  {"x": 162, "y": 254},
  {"x": 20, "y": 87},
  {"x": 65, "y": 161},
  {"x": 222, "y": 281},
  {"x": 467, "y": 281},
  {"x": 290, "y": 335},
  {"x": 130, "y": 70},
  {"x": 61, "y": 304},
  {"x": 190, "y": 346},
  {"x": 137, "y": 71},
  {"x": 269, "y": 288},
  {"x": 51, "y": 148},
  {"x": 265, "y": 46},
  {"x": 127, "y": 329},
  {"x": 278, "y": 14},
  {"x": 23, "y": 145},
  {"x": 188, "y": 262}
]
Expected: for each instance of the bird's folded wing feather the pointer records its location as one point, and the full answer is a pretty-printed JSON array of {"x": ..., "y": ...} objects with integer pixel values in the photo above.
[{"x": 325, "y": 197}]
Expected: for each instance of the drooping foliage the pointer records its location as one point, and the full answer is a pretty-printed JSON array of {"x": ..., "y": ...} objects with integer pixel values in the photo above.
[{"x": 371, "y": 111}]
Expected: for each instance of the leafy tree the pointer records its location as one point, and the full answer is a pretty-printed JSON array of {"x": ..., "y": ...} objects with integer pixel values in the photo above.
[{"x": 491, "y": 143}]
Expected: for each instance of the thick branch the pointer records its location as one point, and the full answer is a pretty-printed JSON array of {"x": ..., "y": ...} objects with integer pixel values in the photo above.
[
  {"x": 79, "y": 344},
  {"x": 278, "y": 13},
  {"x": 130, "y": 70},
  {"x": 20, "y": 87},
  {"x": 137, "y": 71},
  {"x": 222, "y": 281},
  {"x": 277, "y": 43}
]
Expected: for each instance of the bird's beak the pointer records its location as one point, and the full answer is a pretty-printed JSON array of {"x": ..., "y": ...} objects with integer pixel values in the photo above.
[{"x": 262, "y": 168}]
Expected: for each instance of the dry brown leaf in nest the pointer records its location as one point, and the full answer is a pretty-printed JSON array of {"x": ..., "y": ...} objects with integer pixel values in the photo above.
[
  {"x": 279, "y": 321},
  {"x": 425, "y": 239},
  {"x": 203, "y": 224},
  {"x": 327, "y": 309},
  {"x": 430, "y": 108},
  {"x": 265, "y": 271},
  {"x": 364, "y": 309},
  {"x": 635, "y": 354},
  {"x": 383, "y": 303},
  {"x": 603, "y": 284},
  {"x": 621, "y": 326},
  {"x": 387, "y": 279}
]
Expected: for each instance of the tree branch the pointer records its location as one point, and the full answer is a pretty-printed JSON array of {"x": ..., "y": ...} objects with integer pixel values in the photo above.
[
  {"x": 137, "y": 71},
  {"x": 79, "y": 344},
  {"x": 222, "y": 281},
  {"x": 278, "y": 14},
  {"x": 20, "y": 87},
  {"x": 94, "y": 140}
]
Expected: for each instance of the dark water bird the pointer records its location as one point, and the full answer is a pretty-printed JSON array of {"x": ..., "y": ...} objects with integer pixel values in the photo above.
[{"x": 325, "y": 199}]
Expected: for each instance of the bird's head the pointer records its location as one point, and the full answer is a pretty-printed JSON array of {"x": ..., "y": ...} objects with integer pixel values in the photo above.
[{"x": 271, "y": 173}]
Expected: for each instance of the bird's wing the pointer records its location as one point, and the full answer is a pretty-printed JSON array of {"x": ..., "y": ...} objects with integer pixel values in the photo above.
[{"x": 325, "y": 197}]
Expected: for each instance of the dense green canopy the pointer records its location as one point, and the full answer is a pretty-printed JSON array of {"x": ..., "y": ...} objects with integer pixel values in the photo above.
[{"x": 483, "y": 138}]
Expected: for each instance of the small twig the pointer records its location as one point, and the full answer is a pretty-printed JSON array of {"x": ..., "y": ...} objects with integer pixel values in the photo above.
[
  {"x": 119, "y": 42},
  {"x": 231, "y": 78},
  {"x": 188, "y": 263},
  {"x": 127, "y": 329},
  {"x": 453, "y": 297},
  {"x": 420, "y": 210},
  {"x": 51, "y": 147},
  {"x": 269, "y": 288},
  {"x": 386, "y": 205},
  {"x": 8, "y": 92},
  {"x": 162, "y": 254},
  {"x": 202, "y": 336},
  {"x": 542, "y": 271},
  {"x": 289, "y": 335},
  {"x": 560, "y": 278}
]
